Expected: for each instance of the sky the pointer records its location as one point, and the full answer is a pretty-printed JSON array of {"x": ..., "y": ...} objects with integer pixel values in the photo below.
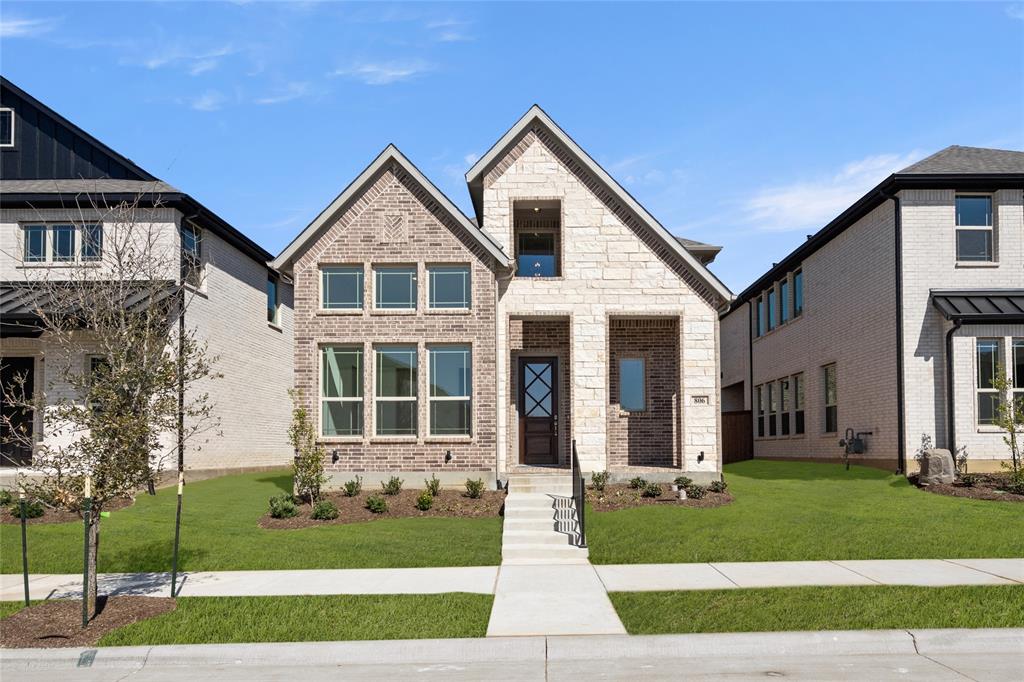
[{"x": 749, "y": 126}]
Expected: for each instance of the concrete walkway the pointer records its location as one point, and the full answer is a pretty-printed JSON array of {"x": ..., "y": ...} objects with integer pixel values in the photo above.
[{"x": 930, "y": 655}]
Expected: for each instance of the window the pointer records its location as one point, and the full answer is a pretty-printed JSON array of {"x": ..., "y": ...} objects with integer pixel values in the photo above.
[
  {"x": 773, "y": 409},
  {"x": 632, "y": 394},
  {"x": 784, "y": 301},
  {"x": 771, "y": 309},
  {"x": 6, "y": 127},
  {"x": 396, "y": 391},
  {"x": 536, "y": 255},
  {"x": 341, "y": 288},
  {"x": 760, "y": 316},
  {"x": 988, "y": 396},
  {"x": 98, "y": 366},
  {"x": 341, "y": 390},
  {"x": 451, "y": 390},
  {"x": 760, "y": 411},
  {"x": 449, "y": 287},
  {"x": 1018, "y": 374},
  {"x": 273, "y": 302},
  {"x": 62, "y": 238},
  {"x": 784, "y": 399},
  {"x": 798, "y": 404},
  {"x": 395, "y": 288},
  {"x": 831, "y": 395},
  {"x": 191, "y": 255},
  {"x": 35, "y": 243},
  {"x": 798, "y": 293},
  {"x": 92, "y": 242},
  {"x": 974, "y": 229}
]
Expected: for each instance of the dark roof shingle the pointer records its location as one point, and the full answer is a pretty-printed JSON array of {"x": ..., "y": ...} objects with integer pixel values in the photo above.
[{"x": 957, "y": 159}]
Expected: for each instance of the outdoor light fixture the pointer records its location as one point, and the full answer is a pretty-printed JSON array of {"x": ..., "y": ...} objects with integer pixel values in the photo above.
[
  {"x": 335, "y": 456},
  {"x": 536, "y": 209},
  {"x": 447, "y": 456},
  {"x": 700, "y": 457}
]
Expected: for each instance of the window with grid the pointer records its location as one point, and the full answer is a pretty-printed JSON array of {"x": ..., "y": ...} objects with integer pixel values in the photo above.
[
  {"x": 831, "y": 399},
  {"x": 191, "y": 255},
  {"x": 974, "y": 229},
  {"x": 92, "y": 242},
  {"x": 35, "y": 243},
  {"x": 451, "y": 390},
  {"x": 798, "y": 404},
  {"x": 773, "y": 410},
  {"x": 62, "y": 243},
  {"x": 341, "y": 390},
  {"x": 771, "y": 309},
  {"x": 395, "y": 288},
  {"x": 784, "y": 301},
  {"x": 449, "y": 287},
  {"x": 396, "y": 395},
  {"x": 341, "y": 287},
  {"x": 988, "y": 396},
  {"x": 1018, "y": 375},
  {"x": 759, "y": 400},
  {"x": 784, "y": 404}
]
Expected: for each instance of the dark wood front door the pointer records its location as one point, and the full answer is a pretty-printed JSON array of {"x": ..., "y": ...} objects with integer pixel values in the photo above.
[
  {"x": 16, "y": 379},
  {"x": 538, "y": 410}
]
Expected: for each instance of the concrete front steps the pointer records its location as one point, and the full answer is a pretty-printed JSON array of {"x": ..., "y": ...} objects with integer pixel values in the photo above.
[{"x": 540, "y": 521}]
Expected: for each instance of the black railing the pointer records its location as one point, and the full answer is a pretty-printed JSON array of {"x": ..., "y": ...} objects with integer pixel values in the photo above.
[{"x": 579, "y": 497}]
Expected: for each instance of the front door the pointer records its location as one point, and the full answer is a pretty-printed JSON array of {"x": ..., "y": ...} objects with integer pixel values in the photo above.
[
  {"x": 538, "y": 410},
  {"x": 14, "y": 451}
]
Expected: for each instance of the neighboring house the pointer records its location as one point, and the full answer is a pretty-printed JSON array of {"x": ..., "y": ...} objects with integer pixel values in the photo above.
[
  {"x": 427, "y": 341},
  {"x": 56, "y": 182},
  {"x": 891, "y": 320}
]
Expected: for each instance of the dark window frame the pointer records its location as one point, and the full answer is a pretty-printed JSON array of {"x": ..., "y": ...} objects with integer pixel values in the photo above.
[
  {"x": 273, "y": 306},
  {"x": 831, "y": 408},
  {"x": 7, "y": 144}
]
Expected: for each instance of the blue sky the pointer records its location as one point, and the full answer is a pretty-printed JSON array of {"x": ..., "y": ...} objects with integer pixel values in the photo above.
[{"x": 745, "y": 125}]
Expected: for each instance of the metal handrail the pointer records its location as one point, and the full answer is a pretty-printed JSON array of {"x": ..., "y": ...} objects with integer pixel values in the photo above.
[{"x": 579, "y": 494}]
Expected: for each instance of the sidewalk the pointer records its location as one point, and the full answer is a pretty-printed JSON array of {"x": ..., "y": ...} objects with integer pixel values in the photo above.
[
  {"x": 542, "y": 579},
  {"x": 930, "y": 655}
]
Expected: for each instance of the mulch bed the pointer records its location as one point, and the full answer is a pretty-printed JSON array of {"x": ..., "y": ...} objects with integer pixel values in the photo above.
[
  {"x": 58, "y": 515},
  {"x": 986, "y": 487},
  {"x": 448, "y": 503},
  {"x": 58, "y": 623},
  {"x": 621, "y": 496}
]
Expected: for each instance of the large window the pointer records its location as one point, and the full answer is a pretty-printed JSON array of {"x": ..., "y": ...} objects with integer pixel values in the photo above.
[
  {"x": 341, "y": 390},
  {"x": 773, "y": 410},
  {"x": 974, "y": 230},
  {"x": 798, "y": 293},
  {"x": 396, "y": 391},
  {"x": 759, "y": 406},
  {"x": 831, "y": 399},
  {"x": 395, "y": 288},
  {"x": 759, "y": 325},
  {"x": 784, "y": 301},
  {"x": 786, "y": 405},
  {"x": 35, "y": 243},
  {"x": 62, "y": 243},
  {"x": 449, "y": 286},
  {"x": 341, "y": 288},
  {"x": 1018, "y": 374},
  {"x": 798, "y": 404},
  {"x": 988, "y": 396},
  {"x": 92, "y": 242},
  {"x": 273, "y": 300},
  {"x": 632, "y": 396},
  {"x": 191, "y": 255},
  {"x": 451, "y": 390},
  {"x": 771, "y": 309}
]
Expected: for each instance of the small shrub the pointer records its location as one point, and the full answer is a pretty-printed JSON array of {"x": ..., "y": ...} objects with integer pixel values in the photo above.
[
  {"x": 283, "y": 507},
  {"x": 433, "y": 486},
  {"x": 970, "y": 480},
  {"x": 637, "y": 483},
  {"x": 695, "y": 491},
  {"x": 425, "y": 501},
  {"x": 652, "y": 490},
  {"x": 6, "y": 498},
  {"x": 353, "y": 487},
  {"x": 718, "y": 486},
  {"x": 683, "y": 481},
  {"x": 33, "y": 509},
  {"x": 392, "y": 486},
  {"x": 474, "y": 488},
  {"x": 1016, "y": 483},
  {"x": 376, "y": 504},
  {"x": 599, "y": 479},
  {"x": 325, "y": 510}
]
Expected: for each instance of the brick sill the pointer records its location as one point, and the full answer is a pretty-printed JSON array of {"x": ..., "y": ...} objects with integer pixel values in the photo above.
[
  {"x": 440, "y": 440},
  {"x": 398, "y": 312},
  {"x": 977, "y": 264},
  {"x": 339, "y": 311},
  {"x": 448, "y": 311}
]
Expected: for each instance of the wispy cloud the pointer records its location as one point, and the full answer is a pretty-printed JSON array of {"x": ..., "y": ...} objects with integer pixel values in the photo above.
[
  {"x": 471, "y": 158},
  {"x": 15, "y": 27},
  {"x": 211, "y": 100},
  {"x": 1015, "y": 11},
  {"x": 185, "y": 56},
  {"x": 812, "y": 203},
  {"x": 384, "y": 73},
  {"x": 293, "y": 90},
  {"x": 450, "y": 30}
]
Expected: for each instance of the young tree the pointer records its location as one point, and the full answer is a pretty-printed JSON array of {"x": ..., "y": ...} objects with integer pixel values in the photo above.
[
  {"x": 126, "y": 373},
  {"x": 1009, "y": 417},
  {"x": 308, "y": 468}
]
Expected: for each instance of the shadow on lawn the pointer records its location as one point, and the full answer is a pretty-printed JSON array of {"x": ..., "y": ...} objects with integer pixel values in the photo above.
[
  {"x": 152, "y": 557},
  {"x": 764, "y": 470},
  {"x": 282, "y": 481}
]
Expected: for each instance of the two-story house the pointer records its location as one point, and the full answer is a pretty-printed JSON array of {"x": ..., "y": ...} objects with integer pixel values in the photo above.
[
  {"x": 426, "y": 340},
  {"x": 891, "y": 321},
  {"x": 58, "y": 185}
]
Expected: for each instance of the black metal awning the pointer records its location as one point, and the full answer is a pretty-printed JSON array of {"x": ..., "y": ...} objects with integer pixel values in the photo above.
[{"x": 979, "y": 306}]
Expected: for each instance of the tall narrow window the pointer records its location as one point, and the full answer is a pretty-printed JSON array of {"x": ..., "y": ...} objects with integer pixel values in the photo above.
[
  {"x": 988, "y": 396},
  {"x": 395, "y": 288},
  {"x": 341, "y": 390},
  {"x": 771, "y": 309},
  {"x": 35, "y": 243},
  {"x": 62, "y": 243},
  {"x": 798, "y": 293},
  {"x": 449, "y": 286},
  {"x": 92, "y": 242},
  {"x": 273, "y": 302},
  {"x": 974, "y": 229},
  {"x": 760, "y": 316},
  {"x": 759, "y": 406},
  {"x": 341, "y": 288},
  {"x": 1018, "y": 375},
  {"x": 773, "y": 410},
  {"x": 798, "y": 404},
  {"x": 784, "y": 301},
  {"x": 191, "y": 255},
  {"x": 6, "y": 127},
  {"x": 396, "y": 391},
  {"x": 631, "y": 385},
  {"x": 451, "y": 390},
  {"x": 831, "y": 400},
  {"x": 785, "y": 406}
]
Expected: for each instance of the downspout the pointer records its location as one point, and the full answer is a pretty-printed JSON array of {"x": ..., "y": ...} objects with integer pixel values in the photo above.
[
  {"x": 497, "y": 374},
  {"x": 901, "y": 426},
  {"x": 750, "y": 369},
  {"x": 950, "y": 394}
]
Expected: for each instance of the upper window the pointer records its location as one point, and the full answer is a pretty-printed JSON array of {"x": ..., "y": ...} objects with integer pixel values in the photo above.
[
  {"x": 35, "y": 243},
  {"x": 92, "y": 242},
  {"x": 58, "y": 243},
  {"x": 831, "y": 400},
  {"x": 771, "y": 309},
  {"x": 451, "y": 390},
  {"x": 537, "y": 225},
  {"x": 341, "y": 391},
  {"x": 62, "y": 246},
  {"x": 396, "y": 391},
  {"x": 395, "y": 288},
  {"x": 988, "y": 396},
  {"x": 6, "y": 127},
  {"x": 273, "y": 300},
  {"x": 974, "y": 242},
  {"x": 632, "y": 396},
  {"x": 784, "y": 301},
  {"x": 798, "y": 293},
  {"x": 760, "y": 316},
  {"x": 191, "y": 255},
  {"x": 341, "y": 288},
  {"x": 449, "y": 287}
]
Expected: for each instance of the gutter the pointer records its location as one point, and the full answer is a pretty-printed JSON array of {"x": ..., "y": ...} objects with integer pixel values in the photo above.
[{"x": 950, "y": 397}]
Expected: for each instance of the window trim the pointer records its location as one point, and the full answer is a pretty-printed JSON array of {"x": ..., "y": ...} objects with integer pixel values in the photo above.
[
  {"x": 771, "y": 298},
  {"x": 42, "y": 229},
  {"x": 276, "y": 281},
  {"x": 355, "y": 269},
  {"x": 834, "y": 405},
  {"x": 799, "y": 411},
  {"x": 773, "y": 410},
  {"x": 1016, "y": 382},
  {"x": 785, "y": 312},
  {"x": 761, "y": 327},
  {"x": 414, "y": 287},
  {"x": 785, "y": 406},
  {"x": 65, "y": 228},
  {"x": 83, "y": 229},
  {"x": 377, "y": 398},
  {"x": 759, "y": 411},
  {"x": 361, "y": 398},
  {"x": 14, "y": 117},
  {"x": 468, "y": 398},
  {"x": 990, "y": 229},
  {"x": 194, "y": 261},
  {"x": 467, "y": 286},
  {"x": 978, "y": 390},
  {"x": 798, "y": 309},
  {"x": 643, "y": 383}
]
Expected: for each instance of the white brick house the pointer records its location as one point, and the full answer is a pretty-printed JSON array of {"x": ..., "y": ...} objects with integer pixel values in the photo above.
[
  {"x": 916, "y": 287},
  {"x": 56, "y": 182}
]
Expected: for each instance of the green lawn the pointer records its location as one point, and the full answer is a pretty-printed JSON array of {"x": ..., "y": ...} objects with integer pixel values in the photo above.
[
  {"x": 311, "y": 619},
  {"x": 795, "y": 511},
  {"x": 220, "y": 532},
  {"x": 820, "y": 608}
]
